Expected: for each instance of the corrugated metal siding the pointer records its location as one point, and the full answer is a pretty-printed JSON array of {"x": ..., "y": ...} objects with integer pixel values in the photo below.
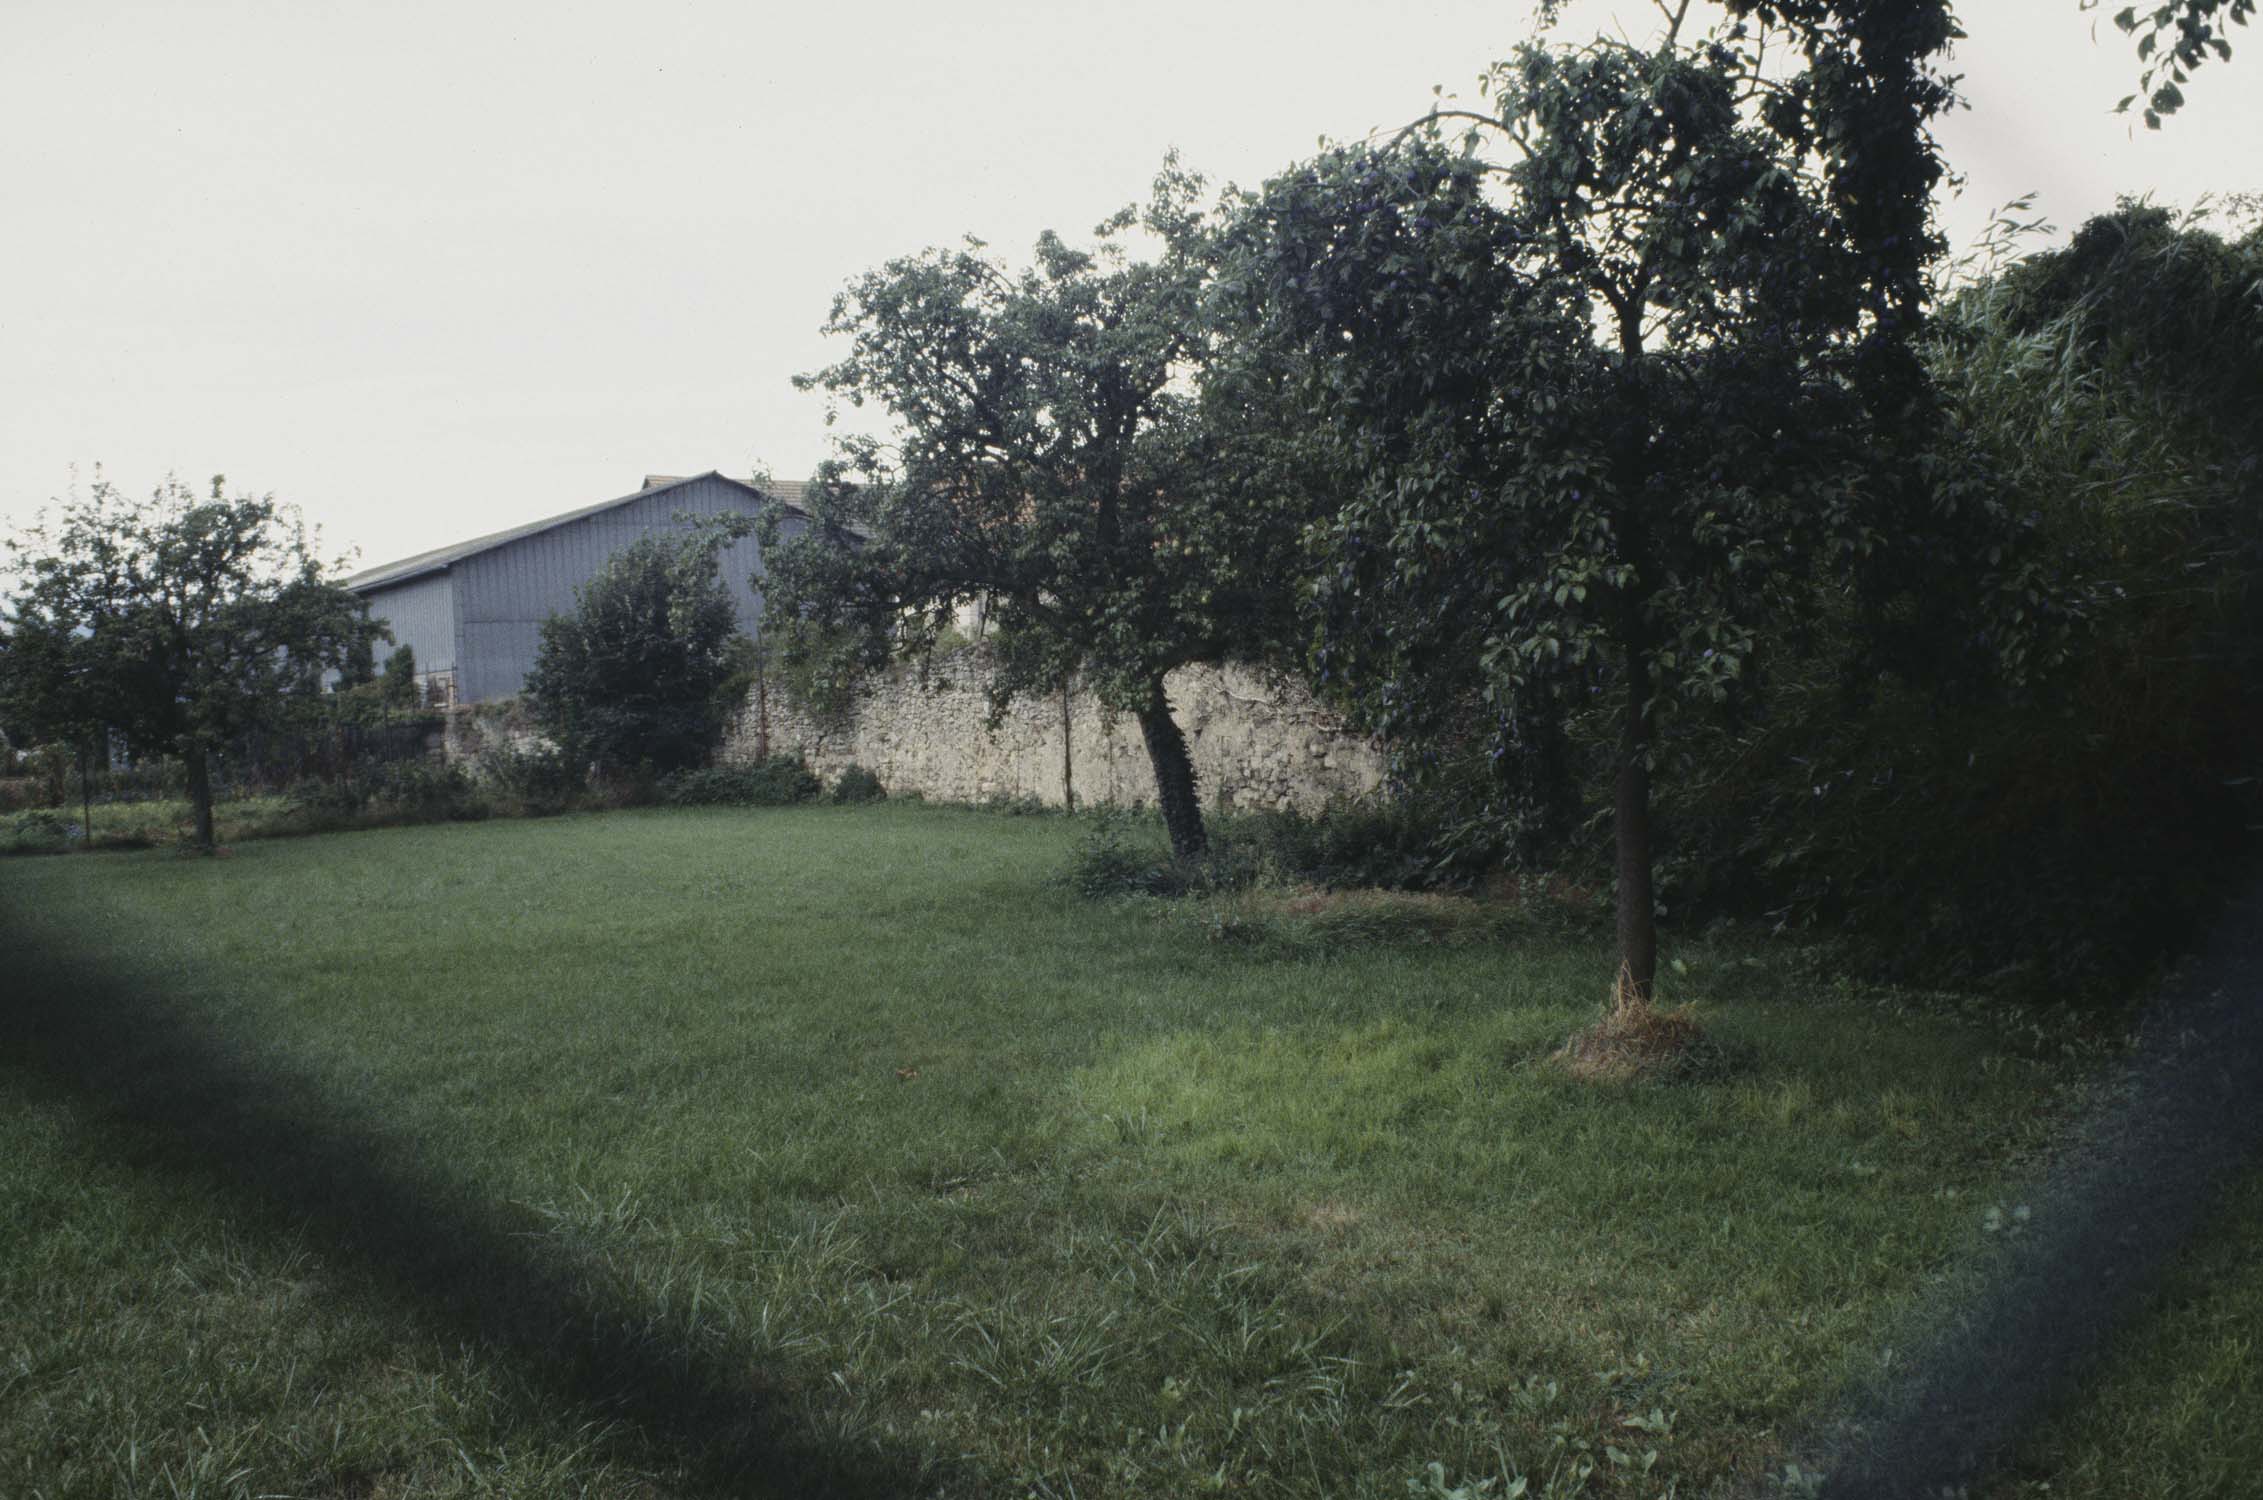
[
  {"x": 504, "y": 595},
  {"x": 422, "y": 615}
]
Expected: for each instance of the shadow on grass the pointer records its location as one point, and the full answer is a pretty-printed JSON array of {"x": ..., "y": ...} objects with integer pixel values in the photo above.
[
  {"x": 2125, "y": 1193},
  {"x": 213, "y": 1108}
]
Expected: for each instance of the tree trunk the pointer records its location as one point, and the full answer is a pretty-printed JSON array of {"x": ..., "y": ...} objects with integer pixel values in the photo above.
[
  {"x": 1068, "y": 764},
  {"x": 86, "y": 798},
  {"x": 1638, "y": 916},
  {"x": 200, "y": 795},
  {"x": 1174, "y": 777}
]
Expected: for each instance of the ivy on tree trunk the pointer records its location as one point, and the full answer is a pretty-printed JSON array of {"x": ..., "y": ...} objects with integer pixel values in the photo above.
[{"x": 1174, "y": 777}]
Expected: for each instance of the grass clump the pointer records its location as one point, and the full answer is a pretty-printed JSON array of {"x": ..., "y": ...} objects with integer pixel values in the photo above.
[{"x": 1637, "y": 1040}]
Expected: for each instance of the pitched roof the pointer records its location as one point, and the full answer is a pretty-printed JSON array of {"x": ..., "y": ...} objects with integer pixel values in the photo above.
[{"x": 787, "y": 491}]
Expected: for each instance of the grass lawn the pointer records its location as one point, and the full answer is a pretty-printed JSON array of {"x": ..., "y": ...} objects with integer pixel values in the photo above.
[{"x": 836, "y": 1150}]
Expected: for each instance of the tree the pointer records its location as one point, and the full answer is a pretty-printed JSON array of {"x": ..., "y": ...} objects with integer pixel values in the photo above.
[
  {"x": 50, "y": 691},
  {"x": 1051, "y": 464},
  {"x": 627, "y": 680},
  {"x": 178, "y": 621},
  {"x": 2192, "y": 29},
  {"x": 399, "y": 688},
  {"x": 1631, "y": 407}
]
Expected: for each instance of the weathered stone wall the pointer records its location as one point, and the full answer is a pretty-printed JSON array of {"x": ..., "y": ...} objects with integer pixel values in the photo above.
[
  {"x": 469, "y": 729},
  {"x": 1257, "y": 742}
]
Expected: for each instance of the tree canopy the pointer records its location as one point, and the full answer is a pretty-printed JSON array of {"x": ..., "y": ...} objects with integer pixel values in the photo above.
[
  {"x": 1624, "y": 376},
  {"x": 1049, "y": 463},
  {"x": 178, "y": 621},
  {"x": 628, "y": 679},
  {"x": 2173, "y": 41}
]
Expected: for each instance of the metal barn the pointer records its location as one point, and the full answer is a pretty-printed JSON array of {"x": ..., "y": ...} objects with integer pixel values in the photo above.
[{"x": 473, "y": 612}]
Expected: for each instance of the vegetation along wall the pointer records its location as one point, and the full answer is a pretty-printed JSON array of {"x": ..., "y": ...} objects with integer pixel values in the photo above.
[{"x": 1257, "y": 742}]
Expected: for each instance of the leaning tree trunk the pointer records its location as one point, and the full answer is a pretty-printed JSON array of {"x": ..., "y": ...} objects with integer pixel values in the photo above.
[
  {"x": 1638, "y": 914},
  {"x": 1174, "y": 776},
  {"x": 200, "y": 794}
]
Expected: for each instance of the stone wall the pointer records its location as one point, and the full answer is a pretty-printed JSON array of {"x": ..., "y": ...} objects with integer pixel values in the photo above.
[
  {"x": 469, "y": 729},
  {"x": 1257, "y": 742}
]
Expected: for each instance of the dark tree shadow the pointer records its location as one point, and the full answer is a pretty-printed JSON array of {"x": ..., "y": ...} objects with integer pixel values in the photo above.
[
  {"x": 2123, "y": 1195},
  {"x": 216, "y": 1108}
]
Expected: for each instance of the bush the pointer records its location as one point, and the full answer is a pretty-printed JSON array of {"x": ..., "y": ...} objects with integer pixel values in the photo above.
[
  {"x": 630, "y": 677},
  {"x": 397, "y": 689},
  {"x": 858, "y": 785},
  {"x": 537, "y": 781},
  {"x": 1119, "y": 855},
  {"x": 1394, "y": 846},
  {"x": 1391, "y": 846},
  {"x": 327, "y": 803},
  {"x": 779, "y": 781},
  {"x": 40, "y": 832},
  {"x": 426, "y": 791},
  {"x": 2060, "y": 842}
]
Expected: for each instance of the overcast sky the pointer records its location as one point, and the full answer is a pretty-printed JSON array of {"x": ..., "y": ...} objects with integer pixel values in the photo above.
[{"x": 428, "y": 270}]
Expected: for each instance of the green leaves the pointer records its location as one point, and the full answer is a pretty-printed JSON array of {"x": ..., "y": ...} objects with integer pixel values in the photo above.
[
  {"x": 2173, "y": 40},
  {"x": 175, "y": 619},
  {"x": 629, "y": 678}
]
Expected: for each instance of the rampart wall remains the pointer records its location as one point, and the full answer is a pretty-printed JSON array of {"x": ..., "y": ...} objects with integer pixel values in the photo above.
[{"x": 1257, "y": 741}]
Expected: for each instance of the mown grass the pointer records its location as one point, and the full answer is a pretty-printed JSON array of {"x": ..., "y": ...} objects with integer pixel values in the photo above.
[{"x": 528, "y": 1157}]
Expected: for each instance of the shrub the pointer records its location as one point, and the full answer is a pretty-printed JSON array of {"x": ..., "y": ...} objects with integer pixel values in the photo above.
[
  {"x": 630, "y": 677},
  {"x": 778, "y": 781},
  {"x": 535, "y": 780},
  {"x": 426, "y": 791},
  {"x": 1394, "y": 846},
  {"x": 2061, "y": 841},
  {"x": 1118, "y": 857},
  {"x": 324, "y": 803},
  {"x": 858, "y": 785},
  {"x": 40, "y": 832},
  {"x": 1398, "y": 845}
]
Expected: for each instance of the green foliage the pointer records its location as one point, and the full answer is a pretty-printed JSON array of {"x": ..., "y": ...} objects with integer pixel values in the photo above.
[
  {"x": 1052, "y": 466},
  {"x": 359, "y": 668},
  {"x": 1388, "y": 846},
  {"x": 429, "y": 791},
  {"x": 1625, "y": 413},
  {"x": 1112, "y": 860},
  {"x": 39, "y": 831},
  {"x": 630, "y": 678},
  {"x": 180, "y": 622},
  {"x": 779, "y": 781},
  {"x": 417, "y": 790},
  {"x": 2111, "y": 393},
  {"x": 856, "y": 784},
  {"x": 2193, "y": 31},
  {"x": 398, "y": 690},
  {"x": 536, "y": 780}
]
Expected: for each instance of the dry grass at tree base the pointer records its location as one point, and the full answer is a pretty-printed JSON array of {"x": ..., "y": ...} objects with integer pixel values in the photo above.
[{"x": 1636, "y": 1041}]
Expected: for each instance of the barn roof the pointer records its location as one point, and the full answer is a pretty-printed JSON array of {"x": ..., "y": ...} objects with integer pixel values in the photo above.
[{"x": 789, "y": 492}]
